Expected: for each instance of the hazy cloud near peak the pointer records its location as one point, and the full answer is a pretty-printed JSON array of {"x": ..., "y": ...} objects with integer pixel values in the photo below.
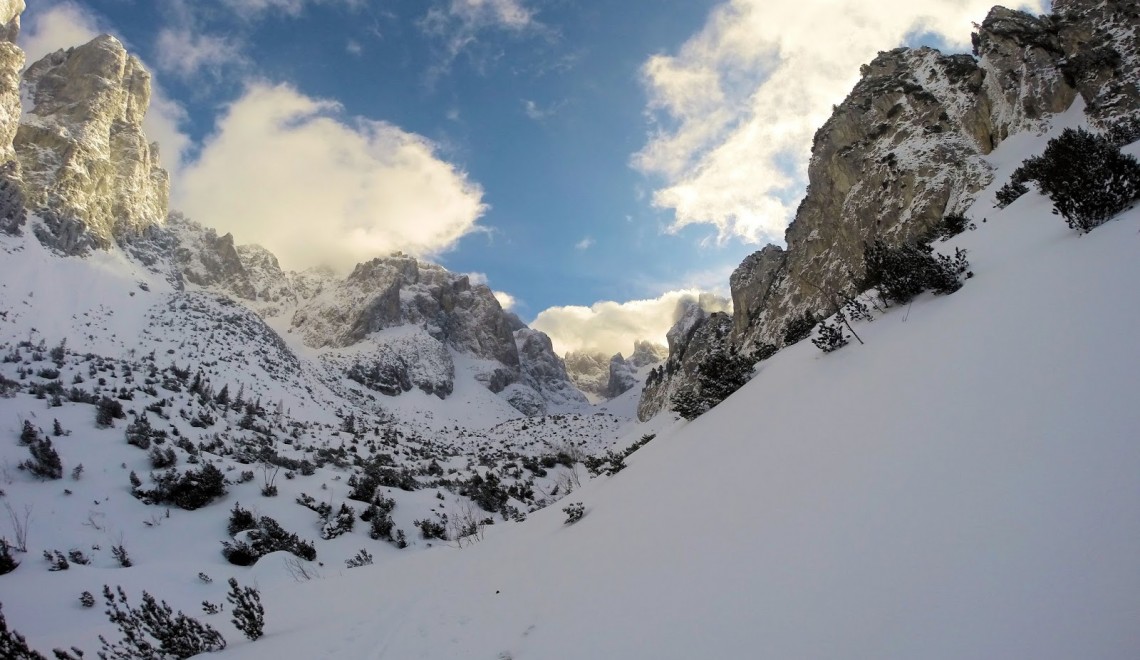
[
  {"x": 742, "y": 98},
  {"x": 611, "y": 327},
  {"x": 291, "y": 173},
  {"x": 185, "y": 53}
]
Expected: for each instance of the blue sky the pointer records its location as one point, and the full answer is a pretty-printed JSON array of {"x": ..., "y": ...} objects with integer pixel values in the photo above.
[{"x": 579, "y": 154}]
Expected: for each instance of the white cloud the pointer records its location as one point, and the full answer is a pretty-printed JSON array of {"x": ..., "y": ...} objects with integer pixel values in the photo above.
[
  {"x": 353, "y": 47},
  {"x": 734, "y": 110},
  {"x": 611, "y": 327},
  {"x": 506, "y": 300},
  {"x": 584, "y": 244},
  {"x": 184, "y": 53},
  {"x": 62, "y": 25},
  {"x": 457, "y": 23},
  {"x": 289, "y": 172},
  {"x": 66, "y": 25}
]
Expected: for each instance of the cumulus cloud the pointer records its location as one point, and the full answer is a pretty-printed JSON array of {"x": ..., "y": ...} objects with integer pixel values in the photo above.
[
  {"x": 611, "y": 327},
  {"x": 290, "y": 172},
  {"x": 66, "y": 25},
  {"x": 585, "y": 243},
  {"x": 734, "y": 110},
  {"x": 185, "y": 53}
]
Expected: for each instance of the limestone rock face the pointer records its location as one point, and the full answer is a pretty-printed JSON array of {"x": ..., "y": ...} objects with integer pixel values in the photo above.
[
  {"x": 621, "y": 377},
  {"x": 543, "y": 371},
  {"x": 12, "y": 213},
  {"x": 88, "y": 169},
  {"x": 400, "y": 290},
  {"x": 646, "y": 353},
  {"x": 590, "y": 372},
  {"x": 209, "y": 260}
]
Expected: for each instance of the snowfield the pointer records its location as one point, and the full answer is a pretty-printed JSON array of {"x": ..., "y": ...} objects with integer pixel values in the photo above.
[{"x": 964, "y": 485}]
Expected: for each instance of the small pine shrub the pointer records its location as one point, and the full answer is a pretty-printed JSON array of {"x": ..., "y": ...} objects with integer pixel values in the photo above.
[
  {"x": 341, "y": 523},
  {"x": 240, "y": 520},
  {"x": 87, "y": 599},
  {"x": 798, "y": 329},
  {"x": 191, "y": 490},
  {"x": 830, "y": 336},
  {"x": 8, "y": 563},
  {"x": 56, "y": 561},
  {"x": 45, "y": 462},
  {"x": 267, "y": 537},
  {"x": 902, "y": 272},
  {"x": 248, "y": 613},
  {"x": 121, "y": 556},
  {"x": 155, "y": 631},
  {"x": 1084, "y": 174},
  {"x": 362, "y": 558},
  {"x": 431, "y": 529},
  {"x": 107, "y": 410},
  {"x": 574, "y": 512}
]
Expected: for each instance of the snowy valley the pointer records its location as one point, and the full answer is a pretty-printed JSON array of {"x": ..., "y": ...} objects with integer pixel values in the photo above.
[{"x": 402, "y": 469}]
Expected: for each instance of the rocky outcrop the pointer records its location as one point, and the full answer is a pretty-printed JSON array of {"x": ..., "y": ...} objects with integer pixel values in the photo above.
[
  {"x": 691, "y": 339},
  {"x": 622, "y": 377},
  {"x": 590, "y": 372},
  {"x": 905, "y": 149},
  {"x": 12, "y": 213},
  {"x": 646, "y": 353},
  {"x": 543, "y": 371},
  {"x": 88, "y": 169}
]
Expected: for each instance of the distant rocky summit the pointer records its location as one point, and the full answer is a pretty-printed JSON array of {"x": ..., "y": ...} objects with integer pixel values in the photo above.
[
  {"x": 904, "y": 150},
  {"x": 610, "y": 377}
]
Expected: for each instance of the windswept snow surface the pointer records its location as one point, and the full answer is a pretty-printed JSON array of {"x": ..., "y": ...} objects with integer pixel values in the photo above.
[{"x": 965, "y": 485}]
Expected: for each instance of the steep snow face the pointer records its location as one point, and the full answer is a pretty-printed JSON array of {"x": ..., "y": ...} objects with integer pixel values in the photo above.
[
  {"x": 963, "y": 485},
  {"x": 88, "y": 169}
]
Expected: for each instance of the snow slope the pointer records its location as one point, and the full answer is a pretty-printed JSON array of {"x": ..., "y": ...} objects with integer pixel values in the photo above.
[{"x": 967, "y": 484}]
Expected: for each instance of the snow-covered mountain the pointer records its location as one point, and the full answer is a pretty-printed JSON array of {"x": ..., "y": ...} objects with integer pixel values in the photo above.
[{"x": 378, "y": 454}]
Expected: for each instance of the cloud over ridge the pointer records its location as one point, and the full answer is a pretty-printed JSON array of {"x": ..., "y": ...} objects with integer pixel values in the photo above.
[{"x": 290, "y": 172}]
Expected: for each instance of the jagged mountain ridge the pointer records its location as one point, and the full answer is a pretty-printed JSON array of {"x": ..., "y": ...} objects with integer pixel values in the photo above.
[
  {"x": 906, "y": 148},
  {"x": 610, "y": 377}
]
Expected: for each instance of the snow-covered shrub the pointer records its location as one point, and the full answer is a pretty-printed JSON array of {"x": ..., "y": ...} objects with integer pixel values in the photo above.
[
  {"x": 107, "y": 410},
  {"x": 487, "y": 492},
  {"x": 574, "y": 512},
  {"x": 431, "y": 529},
  {"x": 87, "y": 599},
  {"x": 379, "y": 518},
  {"x": 155, "y": 631},
  {"x": 902, "y": 272},
  {"x": 341, "y": 523},
  {"x": 829, "y": 337},
  {"x": 8, "y": 563},
  {"x": 56, "y": 561},
  {"x": 719, "y": 374},
  {"x": 189, "y": 490},
  {"x": 45, "y": 462},
  {"x": 140, "y": 433},
  {"x": 798, "y": 328},
  {"x": 248, "y": 613},
  {"x": 267, "y": 537},
  {"x": 121, "y": 556},
  {"x": 1084, "y": 174},
  {"x": 362, "y": 558},
  {"x": 162, "y": 458},
  {"x": 240, "y": 520}
]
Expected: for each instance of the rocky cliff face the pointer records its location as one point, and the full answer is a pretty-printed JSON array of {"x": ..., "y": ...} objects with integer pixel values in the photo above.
[
  {"x": 606, "y": 378},
  {"x": 88, "y": 169},
  {"x": 904, "y": 148},
  {"x": 691, "y": 339},
  {"x": 12, "y": 214}
]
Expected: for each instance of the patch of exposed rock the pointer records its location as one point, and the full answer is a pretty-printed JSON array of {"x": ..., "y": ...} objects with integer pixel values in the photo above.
[
  {"x": 88, "y": 169},
  {"x": 696, "y": 334}
]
